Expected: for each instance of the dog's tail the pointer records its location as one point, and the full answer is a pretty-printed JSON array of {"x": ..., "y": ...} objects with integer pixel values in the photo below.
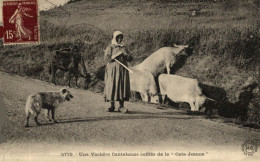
[{"x": 30, "y": 106}]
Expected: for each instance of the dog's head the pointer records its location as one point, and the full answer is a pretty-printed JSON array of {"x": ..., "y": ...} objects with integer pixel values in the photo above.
[{"x": 65, "y": 94}]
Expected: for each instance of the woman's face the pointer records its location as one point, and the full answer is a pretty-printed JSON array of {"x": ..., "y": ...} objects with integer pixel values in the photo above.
[{"x": 119, "y": 38}]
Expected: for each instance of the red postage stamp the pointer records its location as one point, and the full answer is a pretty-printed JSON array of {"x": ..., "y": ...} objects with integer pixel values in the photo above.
[{"x": 20, "y": 20}]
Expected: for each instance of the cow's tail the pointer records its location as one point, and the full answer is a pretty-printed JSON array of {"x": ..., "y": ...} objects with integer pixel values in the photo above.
[{"x": 198, "y": 89}]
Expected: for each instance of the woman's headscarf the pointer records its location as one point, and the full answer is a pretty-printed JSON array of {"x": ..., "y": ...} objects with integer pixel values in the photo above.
[{"x": 116, "y": 33}]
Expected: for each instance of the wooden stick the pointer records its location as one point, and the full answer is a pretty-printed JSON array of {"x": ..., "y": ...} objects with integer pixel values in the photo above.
[{"x": 124, "y": 65}]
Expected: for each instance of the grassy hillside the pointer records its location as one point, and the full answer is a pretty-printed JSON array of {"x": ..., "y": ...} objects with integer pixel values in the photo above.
[{"x": 223, "y": 36}]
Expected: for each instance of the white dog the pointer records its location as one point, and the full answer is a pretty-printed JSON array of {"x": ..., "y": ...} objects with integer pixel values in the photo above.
[{"x": 49, "y": 101}]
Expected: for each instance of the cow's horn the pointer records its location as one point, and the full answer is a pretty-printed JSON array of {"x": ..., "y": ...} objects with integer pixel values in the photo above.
[{"x": 210, "y": 99}]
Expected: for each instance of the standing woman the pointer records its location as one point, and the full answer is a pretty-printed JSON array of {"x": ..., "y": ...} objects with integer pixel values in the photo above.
[{"x": 117, "y": 84}]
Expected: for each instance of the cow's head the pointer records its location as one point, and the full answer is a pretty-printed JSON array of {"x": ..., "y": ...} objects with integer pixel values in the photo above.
[
  {"x": 153, "y": 93},
  {"x": 200, "y": 101},
  {"x": 179, "y": 48},
  {"x": 154, "y": 98}
]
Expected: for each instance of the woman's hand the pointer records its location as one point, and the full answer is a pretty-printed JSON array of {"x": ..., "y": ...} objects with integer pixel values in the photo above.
[
  {"x": 129, "y": 58},
  {"x": 116, "y": 55}
]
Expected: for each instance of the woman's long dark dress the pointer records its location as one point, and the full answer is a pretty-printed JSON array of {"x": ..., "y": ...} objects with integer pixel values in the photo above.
[{"x": 117, "y": 83}]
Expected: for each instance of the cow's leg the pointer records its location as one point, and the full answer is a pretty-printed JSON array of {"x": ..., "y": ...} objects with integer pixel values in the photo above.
[
  {"x": 77, "y": 77},
  {"x": 54, "y": 78},
  {"x": 163, "y": 99},
  {"x": 144, "y": 97},
  {"x": 168, "y": 67},
  {"x": 197, "y": 106},
  {"x": 69, "y": 78},
  {"x": 53, "y": 74},
  {"x": 192, "y": 106},
  {"x": 163, "y": 92}
]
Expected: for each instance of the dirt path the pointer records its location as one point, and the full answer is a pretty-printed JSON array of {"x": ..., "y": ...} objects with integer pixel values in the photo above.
[{"x": 84, "y": 121}]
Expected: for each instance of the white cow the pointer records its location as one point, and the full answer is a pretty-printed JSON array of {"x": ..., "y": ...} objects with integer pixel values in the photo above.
[
  {"x": 164, "y": 57},
  {"x": 144, "y": 83},
  {"x": 181, "y": 89}
]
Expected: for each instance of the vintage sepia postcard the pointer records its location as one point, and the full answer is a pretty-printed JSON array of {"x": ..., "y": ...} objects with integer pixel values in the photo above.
[{"x": 129, "y": 80}]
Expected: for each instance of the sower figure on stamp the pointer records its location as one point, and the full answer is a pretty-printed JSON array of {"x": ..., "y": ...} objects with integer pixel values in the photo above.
[
  {"x": 117, "y": 83},
  {"x": 17, "y": 18}
]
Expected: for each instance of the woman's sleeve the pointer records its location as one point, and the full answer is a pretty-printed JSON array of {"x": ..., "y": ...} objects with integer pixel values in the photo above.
[{"x": 108, "y": 54}]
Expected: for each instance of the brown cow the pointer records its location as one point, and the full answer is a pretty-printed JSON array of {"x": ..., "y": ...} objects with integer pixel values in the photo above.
[{"x": 67, "y": 60}]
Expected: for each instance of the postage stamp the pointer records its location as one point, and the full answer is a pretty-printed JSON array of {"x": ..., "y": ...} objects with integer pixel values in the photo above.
[
  {"x": 249, "y": 147},
  {"x": 20, "y": 20}
]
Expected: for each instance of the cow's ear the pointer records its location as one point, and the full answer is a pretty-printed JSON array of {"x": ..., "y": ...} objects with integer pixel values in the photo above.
[{"x": 64, "y": 91}]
